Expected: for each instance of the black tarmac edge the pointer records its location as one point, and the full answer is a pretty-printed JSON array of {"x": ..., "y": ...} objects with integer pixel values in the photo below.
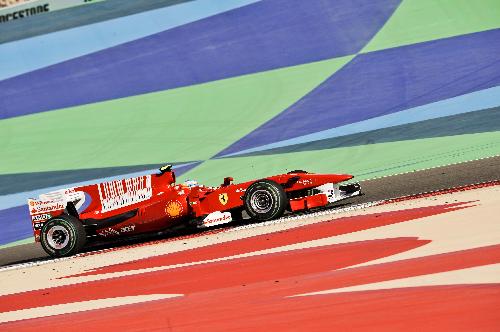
[{"x": 420, "y": 181}]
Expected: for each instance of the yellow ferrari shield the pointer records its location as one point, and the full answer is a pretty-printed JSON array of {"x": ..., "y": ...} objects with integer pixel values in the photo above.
[{"x": 223, "y": 198}]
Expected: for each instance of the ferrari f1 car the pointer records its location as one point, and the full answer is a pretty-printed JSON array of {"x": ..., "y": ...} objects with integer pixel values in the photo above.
[{"x": 65, "y": 220}]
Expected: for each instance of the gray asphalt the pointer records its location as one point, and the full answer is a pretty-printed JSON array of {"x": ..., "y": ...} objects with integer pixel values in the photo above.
[{"x": 377, "y": 189}]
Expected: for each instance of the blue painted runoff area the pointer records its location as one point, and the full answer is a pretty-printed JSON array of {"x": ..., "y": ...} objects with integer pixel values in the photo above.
[
  {"x": 385, "y": 82},
  {"x": 470, "y": 102},
  {"x": 26, "y": 55},
  {"x": 258, "y": 37},
  {"x": 15, "y": 224}
]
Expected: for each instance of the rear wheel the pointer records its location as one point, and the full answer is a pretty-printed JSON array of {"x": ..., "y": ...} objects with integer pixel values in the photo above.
[
  {"x": 62, "y": 236},
  {"x": 265, "y": 200}
]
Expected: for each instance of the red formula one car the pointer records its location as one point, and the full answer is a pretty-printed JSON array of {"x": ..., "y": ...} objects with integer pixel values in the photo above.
[{"x": 65, "y": 220}]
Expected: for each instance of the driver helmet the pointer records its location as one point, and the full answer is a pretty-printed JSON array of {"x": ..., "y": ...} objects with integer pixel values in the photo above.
[{"x": 190, "y": 183}]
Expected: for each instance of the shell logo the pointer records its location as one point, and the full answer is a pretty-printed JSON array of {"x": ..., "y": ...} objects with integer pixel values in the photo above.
[{"x": 173, "y": 209}]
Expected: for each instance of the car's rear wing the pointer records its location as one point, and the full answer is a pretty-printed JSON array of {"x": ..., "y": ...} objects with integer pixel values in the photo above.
[{"x": 52, "y": 204}]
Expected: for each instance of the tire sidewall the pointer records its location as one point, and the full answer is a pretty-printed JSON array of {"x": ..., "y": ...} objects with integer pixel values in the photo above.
[
  {"x": 71, "y": 247},
  {"x": 277, "y": 194}
]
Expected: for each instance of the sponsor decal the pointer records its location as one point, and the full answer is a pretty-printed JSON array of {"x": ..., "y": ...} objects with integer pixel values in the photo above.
[
  {"x": 41, "y": 217},
  {"x": 37, "y": 226},
  {"x": 115, "y": 232},
  {"x": 173, "y": 209},
  {"x": 216, "y": 218},
  {"x": 25, "y": 12},
  {"x": 127, "y": 229},
  {"x": 223, "y": 198},
  {"x": 68, "y": 195},
  {"x": 37, "y": 207},
  {"x": 120, "y": 193},
  {"x": 305, "y": 182},
  {"x": 108, "y": 232},
  {"x": 35, "y": 7}
]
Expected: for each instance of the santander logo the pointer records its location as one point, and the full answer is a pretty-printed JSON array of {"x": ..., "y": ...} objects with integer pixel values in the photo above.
[{"x": 217, "y": 218}]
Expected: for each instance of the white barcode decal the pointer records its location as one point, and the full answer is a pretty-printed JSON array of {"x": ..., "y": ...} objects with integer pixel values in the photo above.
[{"x": 120, "y": 193}]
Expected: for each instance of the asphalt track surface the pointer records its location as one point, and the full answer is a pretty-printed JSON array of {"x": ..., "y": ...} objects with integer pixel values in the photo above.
[{"x": 417, "y": 182}]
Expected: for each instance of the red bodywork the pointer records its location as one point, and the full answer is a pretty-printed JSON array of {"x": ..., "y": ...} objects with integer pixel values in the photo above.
[{"x": 154, "y": 202}]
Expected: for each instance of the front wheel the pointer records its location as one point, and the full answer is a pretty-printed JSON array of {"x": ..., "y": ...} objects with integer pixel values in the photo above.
[
  {"x": 265, "y": 200},
  {"x": 63, "y": 236}
]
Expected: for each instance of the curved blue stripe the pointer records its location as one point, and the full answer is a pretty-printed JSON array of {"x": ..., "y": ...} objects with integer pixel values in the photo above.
[
  {"x": 33, "y": 53},
  {"x": 471, "y": 102},
  {"x": 385, "y": 82},
  {"x": 262, "y": 36}
]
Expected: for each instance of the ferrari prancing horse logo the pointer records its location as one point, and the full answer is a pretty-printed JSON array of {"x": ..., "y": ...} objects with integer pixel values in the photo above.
[{"x": 223, "y": 198}]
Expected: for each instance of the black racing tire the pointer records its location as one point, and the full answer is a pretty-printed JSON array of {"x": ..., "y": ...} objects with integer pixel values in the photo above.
[
  {"x": 63, "y": 236},
  {"x": 265, "y": 200}
]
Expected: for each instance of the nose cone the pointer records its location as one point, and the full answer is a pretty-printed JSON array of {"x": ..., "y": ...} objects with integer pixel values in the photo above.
[
  {"x": 341, "y": 177},
  {"x": 333, "y": 178},
  {"x": 346, "y": 177}
]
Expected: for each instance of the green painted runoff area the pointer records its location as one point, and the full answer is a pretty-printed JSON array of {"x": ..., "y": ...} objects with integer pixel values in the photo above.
[
  {"x": 190, "y": 123},
  {"x": 416, "y": 21},
  {"x": 28, "y": 240},
  {"x": 365, "y": 162}
]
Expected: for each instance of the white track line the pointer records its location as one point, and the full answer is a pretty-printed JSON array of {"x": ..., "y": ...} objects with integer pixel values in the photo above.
[{"x": 429, "y": 168}]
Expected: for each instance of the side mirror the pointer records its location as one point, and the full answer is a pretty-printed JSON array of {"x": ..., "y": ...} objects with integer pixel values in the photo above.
[{"x": 227, "y": 181}]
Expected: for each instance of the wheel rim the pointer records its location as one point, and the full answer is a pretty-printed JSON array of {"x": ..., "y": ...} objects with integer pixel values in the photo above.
[
  {"x": 57, "y": 237},
  {"x": 261, "y": 201}
]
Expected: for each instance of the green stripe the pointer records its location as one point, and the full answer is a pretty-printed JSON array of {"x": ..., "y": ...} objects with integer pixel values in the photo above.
[
  {"x": 18, "y": 243},
  {"x": 191, "y": 123},
  {"x": 365, "y": 162},
  {"x": 417, "y": 21}
]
